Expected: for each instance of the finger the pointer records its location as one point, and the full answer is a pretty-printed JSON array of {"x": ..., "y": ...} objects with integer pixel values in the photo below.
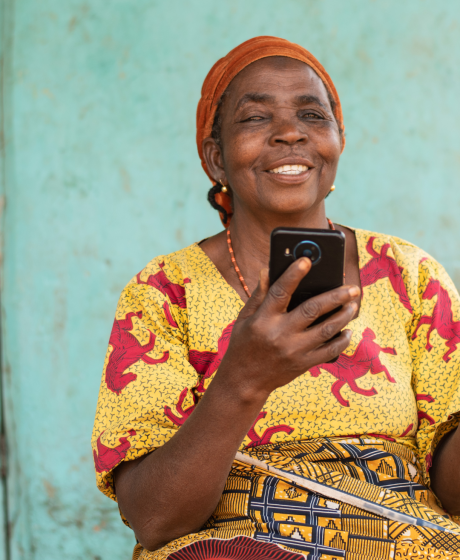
[
  {"x": 323, "y": 332},
  {"x": 258, "y": 296},
  {"x": 279, "y": 294},
  {"x": 331, "y": 349},
  {"x": 306, "y": 313},
  {"x": 318, "y": 335}
]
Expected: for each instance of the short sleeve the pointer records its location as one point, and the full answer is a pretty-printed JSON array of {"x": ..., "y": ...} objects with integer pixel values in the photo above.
[
  {"x": 434, "y": 339},
  {"x": 146, "y": 387}
]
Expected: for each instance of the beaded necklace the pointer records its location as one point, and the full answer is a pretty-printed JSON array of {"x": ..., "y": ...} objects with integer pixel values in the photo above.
[{"x": 235, "y": 265}]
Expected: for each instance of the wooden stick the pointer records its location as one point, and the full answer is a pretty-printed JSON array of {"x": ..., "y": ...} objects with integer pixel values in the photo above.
[{"x": 340, "y": 495}]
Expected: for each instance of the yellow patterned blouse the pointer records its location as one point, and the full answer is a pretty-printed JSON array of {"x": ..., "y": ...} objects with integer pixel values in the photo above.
[{"x": 398, "y": 381}]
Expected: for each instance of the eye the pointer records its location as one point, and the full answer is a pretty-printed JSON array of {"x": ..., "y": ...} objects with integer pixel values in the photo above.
[
  {"x": 253, "y": 118},
  {"x": 310, "y": 115}
]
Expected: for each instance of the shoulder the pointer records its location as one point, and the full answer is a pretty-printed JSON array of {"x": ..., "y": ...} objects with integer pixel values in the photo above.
[
  {"x": 176, "y": 268},
  {"x": 376, "y": 248},
  {"x": 162, "y": 285},
  {"x": 415, "y": 265},
  {"x": 373, "y": 245}
]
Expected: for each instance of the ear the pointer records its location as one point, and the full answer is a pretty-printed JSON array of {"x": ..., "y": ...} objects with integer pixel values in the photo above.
[{"x": 212, "y": 154}]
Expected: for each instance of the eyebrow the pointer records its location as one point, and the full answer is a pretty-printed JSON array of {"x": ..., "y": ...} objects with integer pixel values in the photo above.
[
  {"x": 265, "y": 98},
  {"x": 307, "y": 99},
  {"x": 254, "y": 98}
]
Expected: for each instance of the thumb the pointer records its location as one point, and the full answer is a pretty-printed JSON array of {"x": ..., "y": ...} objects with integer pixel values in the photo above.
[{"x": 258, "y": 296}]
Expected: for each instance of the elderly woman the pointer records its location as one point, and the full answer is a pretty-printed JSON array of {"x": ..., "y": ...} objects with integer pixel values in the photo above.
[{"x": 223, "y": 429}]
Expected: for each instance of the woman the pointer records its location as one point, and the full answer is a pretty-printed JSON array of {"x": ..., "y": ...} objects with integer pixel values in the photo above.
[{"x": 221, "y": 429}]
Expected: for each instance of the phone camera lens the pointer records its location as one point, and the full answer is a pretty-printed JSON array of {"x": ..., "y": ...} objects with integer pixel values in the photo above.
[{"x": 308, "y": 249}]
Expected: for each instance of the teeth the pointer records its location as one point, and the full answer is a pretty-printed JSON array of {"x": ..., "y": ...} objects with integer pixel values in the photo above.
[{"x": 289, "y": 169}]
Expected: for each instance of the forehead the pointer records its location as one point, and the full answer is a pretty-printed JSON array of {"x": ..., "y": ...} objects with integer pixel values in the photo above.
[{"x": 280, "y": 77}]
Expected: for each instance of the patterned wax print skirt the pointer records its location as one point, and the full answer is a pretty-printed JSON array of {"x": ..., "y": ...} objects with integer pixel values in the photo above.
[{"x": 322, "y": 499}]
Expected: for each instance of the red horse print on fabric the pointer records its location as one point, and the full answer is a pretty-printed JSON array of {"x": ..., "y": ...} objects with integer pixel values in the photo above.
[
  {"x": 347, "y": 369},
  {"x": 160, "y": 281},
  {"x": 183, "y": 413},
  {"x": 441, "y": 319},
  {"x": 420, "y": 414},
  {"x": 168, "y": 315},
  {"x": 383, "y": 266},
  {"x": 107, "y": 457},
  {"x": 423, "y": 415},
  {"x": 127, "y": 350},
  {"x": 206, "y": 363},
  {"x": 407, "y": 430},
  {"x": 266, "y": 436}
]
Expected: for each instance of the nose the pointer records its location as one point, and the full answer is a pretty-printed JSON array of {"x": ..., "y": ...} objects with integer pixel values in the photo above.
[{"x": 288, "y": 131}]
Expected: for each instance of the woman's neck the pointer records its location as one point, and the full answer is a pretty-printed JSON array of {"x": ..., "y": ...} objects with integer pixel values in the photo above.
[{"x": 250, "y": 237}]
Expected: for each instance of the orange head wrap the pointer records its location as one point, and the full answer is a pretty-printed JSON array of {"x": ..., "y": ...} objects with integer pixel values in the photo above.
[{"x": 223, "y": 72}]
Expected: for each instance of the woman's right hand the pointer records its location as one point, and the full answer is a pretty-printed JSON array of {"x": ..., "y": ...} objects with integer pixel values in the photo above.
[{"x": 270, "y": 347}]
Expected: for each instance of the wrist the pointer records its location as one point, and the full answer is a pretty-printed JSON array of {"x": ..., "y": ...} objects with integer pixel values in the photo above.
[{"x": 241, "y": 391}]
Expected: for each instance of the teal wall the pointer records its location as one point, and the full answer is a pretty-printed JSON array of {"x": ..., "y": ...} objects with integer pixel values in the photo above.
[{"x": 100, "y": 173}]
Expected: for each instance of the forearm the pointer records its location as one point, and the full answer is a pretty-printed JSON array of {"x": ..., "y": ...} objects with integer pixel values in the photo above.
[
  {"x": 174, "y": 490},
  {"x": 445, "y": 472}
]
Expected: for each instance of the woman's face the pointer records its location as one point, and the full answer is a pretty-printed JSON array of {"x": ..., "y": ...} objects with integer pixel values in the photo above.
[{"x": 280, "y": 143}]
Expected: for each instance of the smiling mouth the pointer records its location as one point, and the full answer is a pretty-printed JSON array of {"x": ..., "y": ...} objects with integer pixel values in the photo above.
[{"x": 289, "y": 169}]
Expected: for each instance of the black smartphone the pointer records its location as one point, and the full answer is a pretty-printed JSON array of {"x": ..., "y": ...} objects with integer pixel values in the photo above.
[{"x": 326, "y": 250}]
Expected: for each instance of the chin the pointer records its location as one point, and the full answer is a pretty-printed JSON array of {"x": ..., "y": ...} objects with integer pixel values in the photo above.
[{"x": 291, "y": 204}]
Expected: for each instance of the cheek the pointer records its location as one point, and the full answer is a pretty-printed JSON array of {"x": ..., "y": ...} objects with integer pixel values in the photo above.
[
  {"x": 242, "y": 152},
  {"x": 329, "y": 147}
]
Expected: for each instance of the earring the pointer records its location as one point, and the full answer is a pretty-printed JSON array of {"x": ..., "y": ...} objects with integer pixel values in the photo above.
[
  {"x": 332, "y": 188},
  {"x": 224, "y": 189}
]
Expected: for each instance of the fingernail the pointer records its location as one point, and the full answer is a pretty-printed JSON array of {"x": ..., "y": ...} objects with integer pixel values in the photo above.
[
  {"x": 303, "y": 263},
  {"x": 354, "y": 291}
]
